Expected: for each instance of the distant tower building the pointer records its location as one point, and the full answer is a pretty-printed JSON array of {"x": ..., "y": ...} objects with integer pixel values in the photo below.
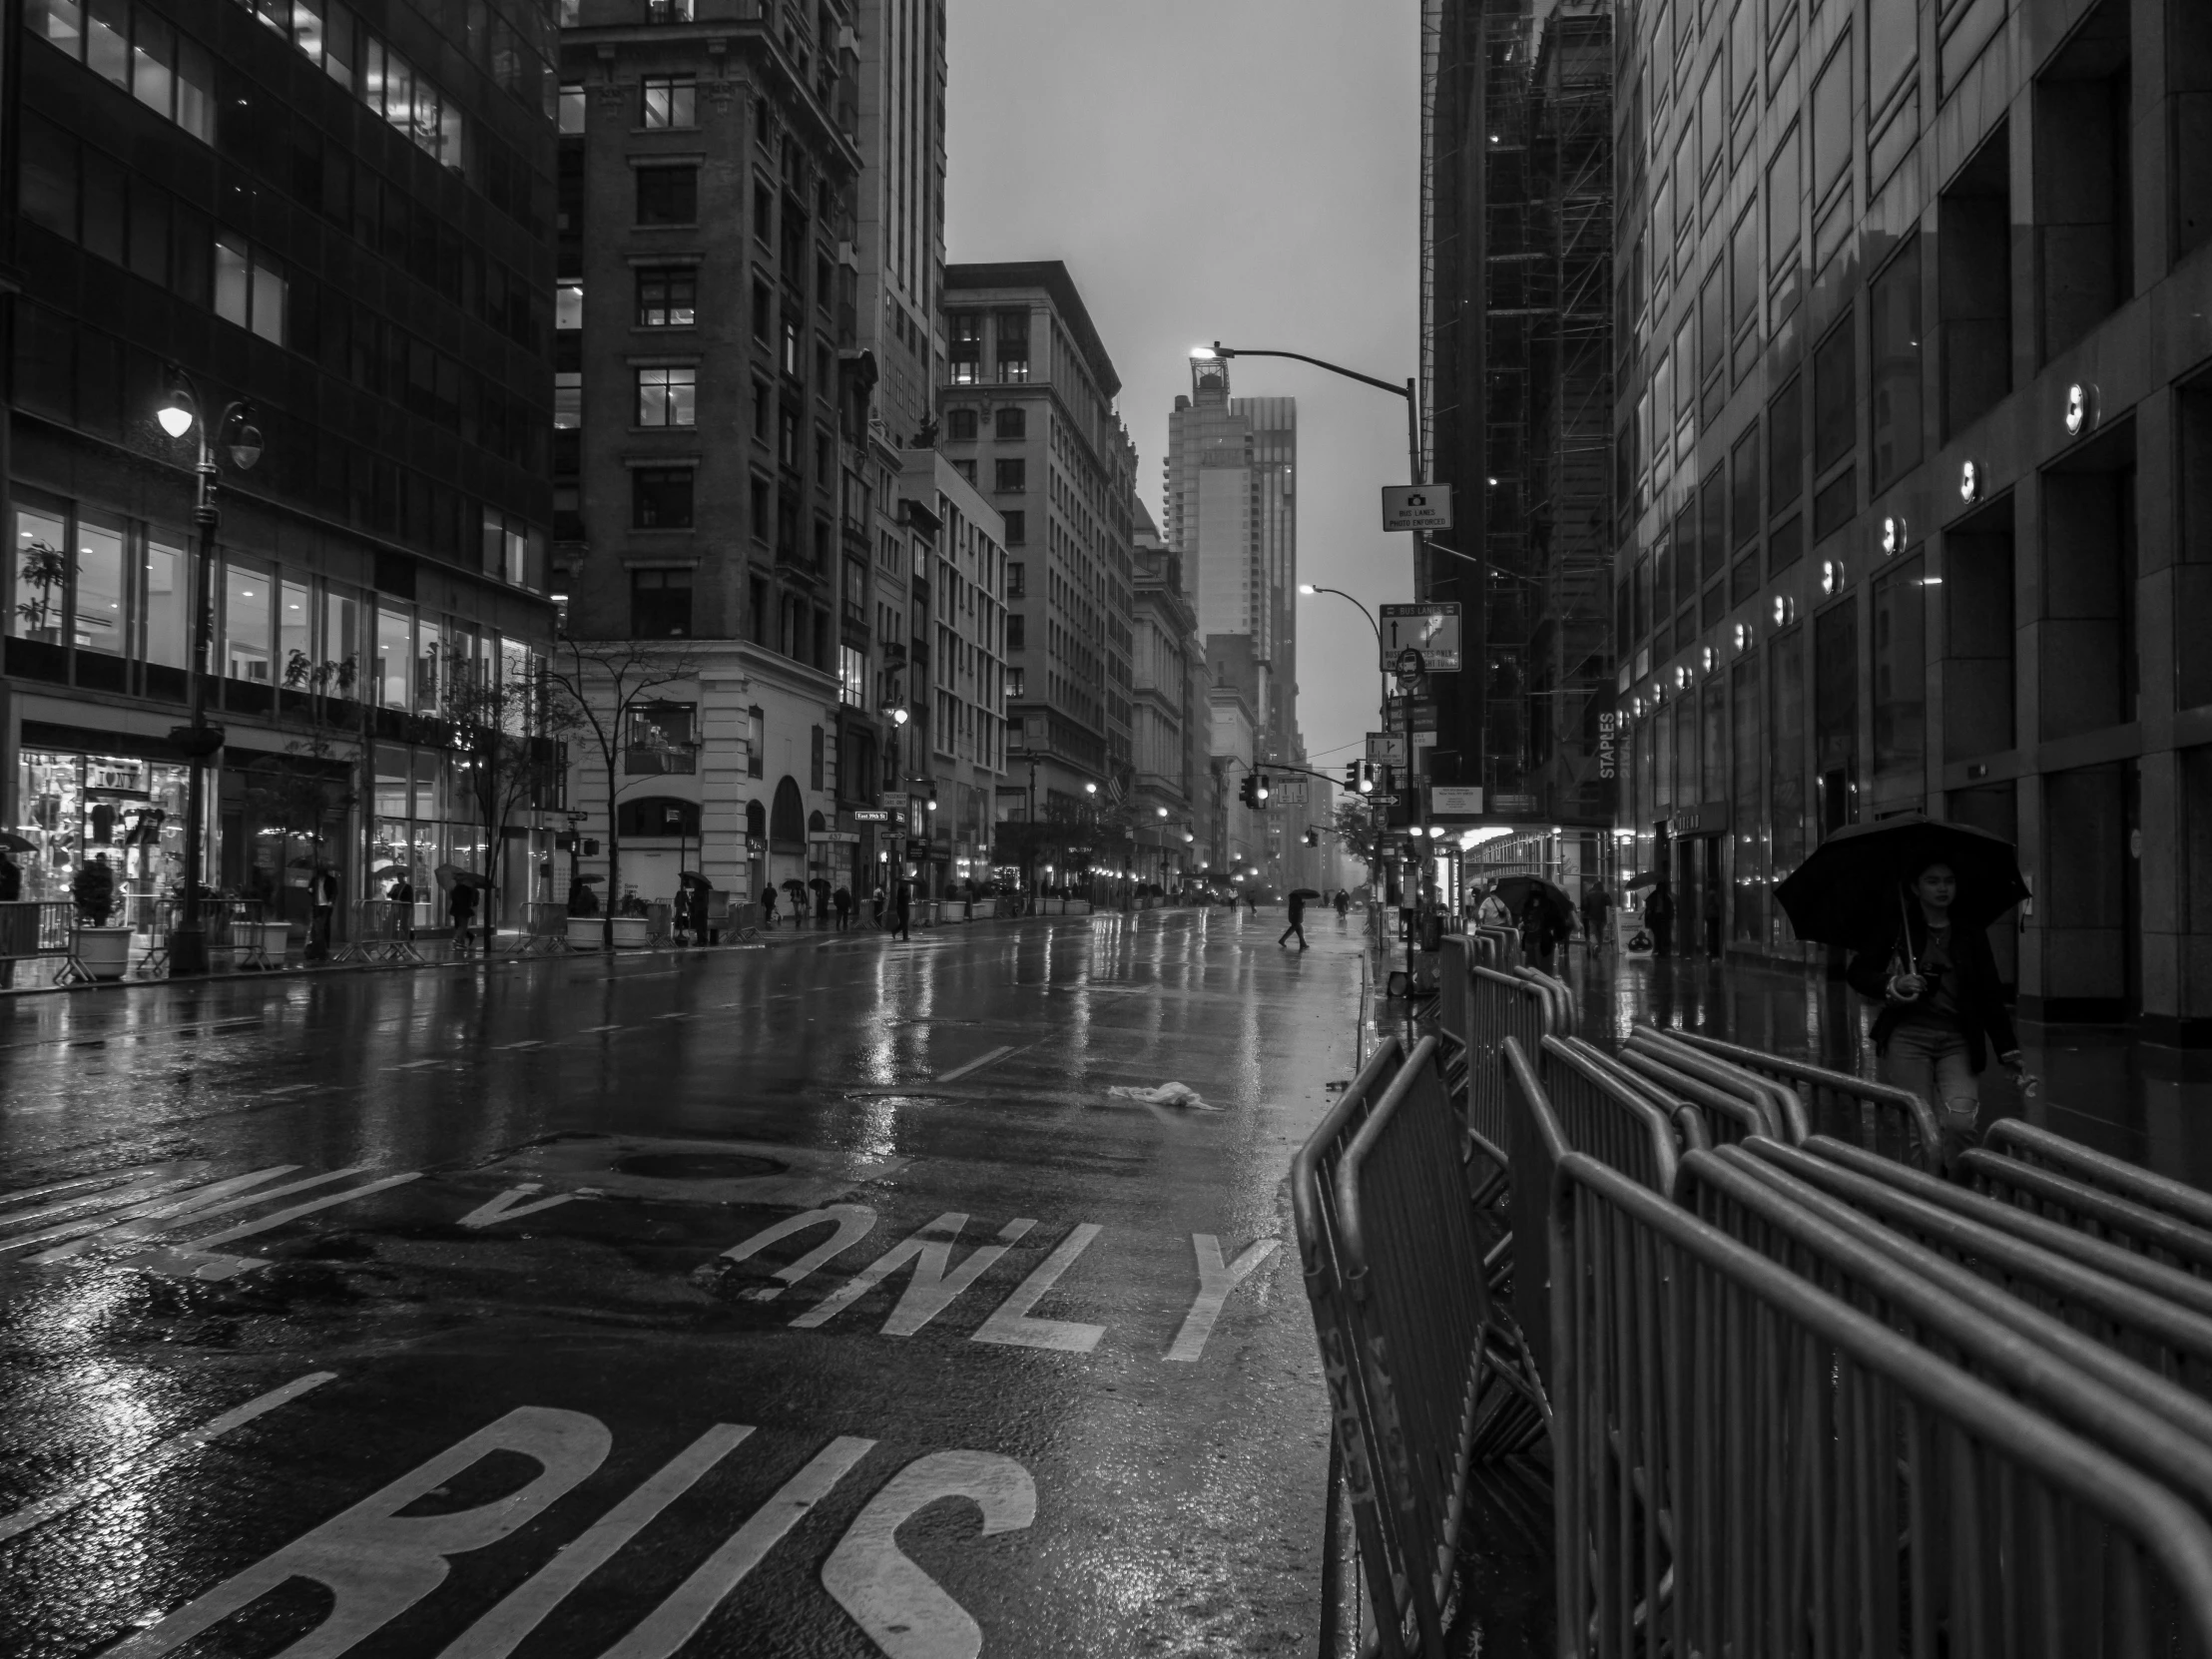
[{"x": 1231, "y": 514}]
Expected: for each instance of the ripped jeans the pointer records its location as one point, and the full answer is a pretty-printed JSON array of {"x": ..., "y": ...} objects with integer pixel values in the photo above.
[{"x": 1931, "y": 1061}]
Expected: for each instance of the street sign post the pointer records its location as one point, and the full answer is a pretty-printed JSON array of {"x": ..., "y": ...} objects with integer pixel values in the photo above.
[
  {"x": 1417, "y": 508},
  {"x": 1285, "y": 791},
  {"x": 1430, "y": 627},
  {"x": 1387, "y": 749},
  {"x": 1424, "y": 715}
]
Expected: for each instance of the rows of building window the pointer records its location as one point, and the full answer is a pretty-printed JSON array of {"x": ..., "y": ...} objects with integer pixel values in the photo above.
[
  {"x": 111, "y": 592},
  {"x": 1009, "y": 339}
]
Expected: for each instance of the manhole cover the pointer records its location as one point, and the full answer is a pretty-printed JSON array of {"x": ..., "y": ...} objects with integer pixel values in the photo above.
[{"x": 699, "y": 1166}]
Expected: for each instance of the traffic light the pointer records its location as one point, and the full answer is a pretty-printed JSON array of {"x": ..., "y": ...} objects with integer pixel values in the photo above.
[
  {"x": 1259, "y": 786},
  {"x": 1312, "y": 837},
  {"x": 1355, "y": 775},
  {"x": 1367, "y": 777},
  {"x": 1247, "y": 791}
]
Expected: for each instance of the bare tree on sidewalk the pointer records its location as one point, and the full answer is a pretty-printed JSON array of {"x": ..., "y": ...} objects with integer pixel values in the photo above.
[
  {"x": 507, "y": 730},
  {"x": 595, "y": 688}
]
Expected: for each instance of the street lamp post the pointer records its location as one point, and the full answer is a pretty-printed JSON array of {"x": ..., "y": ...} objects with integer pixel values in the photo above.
[
  {"x": 1411, "y": 391},
  {"x": 199, "y": 740}
]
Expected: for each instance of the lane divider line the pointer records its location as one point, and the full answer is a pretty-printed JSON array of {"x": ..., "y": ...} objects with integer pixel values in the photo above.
[
  {"x": 156, "y": 1456},
  {"x": 976, "y": 1064}
]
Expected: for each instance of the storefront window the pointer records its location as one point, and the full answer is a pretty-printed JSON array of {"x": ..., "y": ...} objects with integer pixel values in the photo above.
[
  {"x": 246, "y": 624},
  {"x": 395, "y": 654},
  {"x": 41, "y": 576},
  {"x": 296, "y": 632},
  {"x": 168, "y": 601},
  {"x": 99, "y": 619},
  {"x": 391, "y": 782},
  {"x": 78, "y": 807}
]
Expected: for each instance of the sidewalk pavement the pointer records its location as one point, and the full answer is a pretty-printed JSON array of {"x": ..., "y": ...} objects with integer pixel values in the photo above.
[
  {"x": 435, "y": 951},
  {"x": 2102, "y": 1084}
]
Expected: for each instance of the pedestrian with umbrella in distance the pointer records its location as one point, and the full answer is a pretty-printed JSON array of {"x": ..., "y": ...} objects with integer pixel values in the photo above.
[
  {"x": 1297, "y": 903},
  {"x": 1544, "y": 913},
  {"x": 1914, "y": 898},
  {"x": 460, "y": 902}
]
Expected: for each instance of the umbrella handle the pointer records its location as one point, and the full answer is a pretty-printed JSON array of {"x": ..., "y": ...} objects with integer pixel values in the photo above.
[{"x": 1906, "y": 912}]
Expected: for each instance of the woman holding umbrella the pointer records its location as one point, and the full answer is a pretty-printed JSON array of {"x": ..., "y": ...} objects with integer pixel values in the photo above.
[{"x": 1915, "y": 897}]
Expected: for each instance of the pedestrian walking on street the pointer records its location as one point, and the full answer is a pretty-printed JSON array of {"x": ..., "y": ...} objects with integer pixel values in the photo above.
[
  {"x": 1659, "y": 917},
  {"x": 461, "y": 904},
  {"x": 876, "y": 908},
  {"x": 1943, "y": 1008},
  {"x": 842, "y": 900},
  {"x": 1298, "y": 899},
  {"x": 902, "y": 908},
  {"x": 1251, "y": 897},
  {"x": 13, "y": 940},
  {"x": 768, "y": 905},
  {"x": 322, "y": 898},
  {"x": 1597, "y": 907}
]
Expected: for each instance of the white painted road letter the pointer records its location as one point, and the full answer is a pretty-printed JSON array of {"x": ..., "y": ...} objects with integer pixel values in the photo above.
[
  {"x": 900, "y": 1607},
  {"x": 853, "y": 1223},
  {"x": 1012, "y": 1324},
  {"x": 1215, "y": 1282},
  {"x": 378, "y": 1563},
  {"x": 935, "y": 1281}
]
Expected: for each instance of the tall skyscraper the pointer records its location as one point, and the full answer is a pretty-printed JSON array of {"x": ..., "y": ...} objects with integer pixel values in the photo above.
[
  {"x": 1232, "y": 516},
  {"x": 899, "y": 248},
  {"x": 340, "y": 215}
]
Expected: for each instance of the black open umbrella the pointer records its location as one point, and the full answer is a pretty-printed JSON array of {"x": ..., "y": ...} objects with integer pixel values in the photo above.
[
  {"x": 1649, "y": 879},
  {"x": 1515, "y": 892},
  {"x": 10, "y": 841},
  {"x": 1851, "y": 890},
  {"x": 692, "y": 879}
]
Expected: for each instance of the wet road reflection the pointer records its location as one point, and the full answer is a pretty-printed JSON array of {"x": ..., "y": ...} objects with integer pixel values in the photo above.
[{"x": 1027, "y": 1360}]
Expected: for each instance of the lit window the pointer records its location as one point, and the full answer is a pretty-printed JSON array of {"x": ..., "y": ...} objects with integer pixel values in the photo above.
[
  {"x": 671, "y": 101},
  {"x": 667, "y": 298},
  {"x": 568, "y": 306},
  {"x": 572, "y": 108},
  {"x": 668, "y": 396},
  {"x": 568, "y": 401}
]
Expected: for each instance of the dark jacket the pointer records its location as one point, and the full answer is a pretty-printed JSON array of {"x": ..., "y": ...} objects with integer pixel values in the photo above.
[{"x": 1973, "y": 982}]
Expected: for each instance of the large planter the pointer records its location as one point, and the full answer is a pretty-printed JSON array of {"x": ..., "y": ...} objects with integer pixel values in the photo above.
[
  {"x": 633, "y": 933},
  {"x": 260, "y": 943},
  {"x": 586, "y": 933},
  {"x": 104, "y": 953}
]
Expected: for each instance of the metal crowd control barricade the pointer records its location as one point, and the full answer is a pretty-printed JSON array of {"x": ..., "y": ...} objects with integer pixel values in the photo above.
[
  {"x": 1611, "y": 1120},
  {"x": 1905, "y": 1198},
  {"x": 2154, "y": 1350},
  {"x": 544, "y": 929},
  {"x": 379, "y": 933},
  {"x": 2160, "y": 1429},
  {"x": 1423, "y": 1376},
  {"x": 2017, "y": 1138},
  {"x": 2087, "y": 1209},
  {"x": 1893, "y": 1122},
  {"x": 1537, "y": 1146},
  {"x": 1746, "y": 1465},
  {"x": 1499, "y": 1005},
  {"x": 32, "y": 929},
  {"x": 1780, "y": 1103},
  {"x": 1729, "y": 1116},
  {"x": 1453, "y": 1010}
]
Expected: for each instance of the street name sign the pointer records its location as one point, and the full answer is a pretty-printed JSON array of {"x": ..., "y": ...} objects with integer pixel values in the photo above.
[
  {"x": 1387, "y": 749},
  {"x": 1416, "y": 506},
  {"x": 1430, "y": 627},
  {"x": 1424, "y": 715},
  {"x": 1455, "y": 799}
]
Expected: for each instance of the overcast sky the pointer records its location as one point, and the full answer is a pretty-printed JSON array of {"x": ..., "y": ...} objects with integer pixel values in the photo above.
[{"x": 1239, "y": 170}]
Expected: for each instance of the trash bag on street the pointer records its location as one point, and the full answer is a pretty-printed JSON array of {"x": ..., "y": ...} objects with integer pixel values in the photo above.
[{"x": 1167, "y": 1094}]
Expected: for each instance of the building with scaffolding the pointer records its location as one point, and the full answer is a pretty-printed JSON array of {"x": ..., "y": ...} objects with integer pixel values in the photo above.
[{"x": 1517, "y": 368}]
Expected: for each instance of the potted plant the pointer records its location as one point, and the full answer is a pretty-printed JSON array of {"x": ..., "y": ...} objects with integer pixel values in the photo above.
[{"x": 104, "y": 952}]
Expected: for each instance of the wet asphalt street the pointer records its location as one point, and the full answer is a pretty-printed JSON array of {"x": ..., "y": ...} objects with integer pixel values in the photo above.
[{"x": 818, "y": 1301}]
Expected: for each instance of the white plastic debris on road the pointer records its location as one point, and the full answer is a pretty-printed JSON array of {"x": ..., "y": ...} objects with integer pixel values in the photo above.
[{"x": 1167, "y": 1094}]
